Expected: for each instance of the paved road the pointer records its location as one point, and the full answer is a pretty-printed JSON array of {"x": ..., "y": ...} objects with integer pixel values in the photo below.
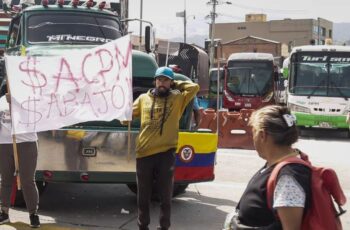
[{"x": 204, "y": 205}]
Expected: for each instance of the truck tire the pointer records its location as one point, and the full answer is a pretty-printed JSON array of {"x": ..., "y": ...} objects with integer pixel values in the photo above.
[
  {"x": 178, "y": 189},
  {"x": 19, "y": 200},
  {"x": 132, "y": 188}
]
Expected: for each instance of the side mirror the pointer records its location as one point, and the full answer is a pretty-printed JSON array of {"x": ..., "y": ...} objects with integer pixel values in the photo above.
[
  {"x": 285, "y": 83},
  {"x": 276, "y": 76},
  {"x": 285, "y": 72},
  {"x": 149, "y": 39}
]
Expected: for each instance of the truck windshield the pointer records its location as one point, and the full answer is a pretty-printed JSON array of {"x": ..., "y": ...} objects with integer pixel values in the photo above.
[
  {"x": 250, "y": 77},
  {"x": 321, "y": 74},
  {"x": 72, "y": 28}
]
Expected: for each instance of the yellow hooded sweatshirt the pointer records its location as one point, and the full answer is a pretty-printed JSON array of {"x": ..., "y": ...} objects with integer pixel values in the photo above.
[{"x": 160, "y": 118}]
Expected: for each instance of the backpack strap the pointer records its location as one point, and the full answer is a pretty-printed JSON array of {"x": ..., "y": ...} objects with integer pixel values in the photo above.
[{"x": 271, "y": 182}]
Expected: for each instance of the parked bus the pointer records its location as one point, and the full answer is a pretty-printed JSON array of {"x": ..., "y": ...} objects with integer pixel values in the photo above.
[
  {"x": 319, "y": 86},
  {"x": 249, "y": 81}
]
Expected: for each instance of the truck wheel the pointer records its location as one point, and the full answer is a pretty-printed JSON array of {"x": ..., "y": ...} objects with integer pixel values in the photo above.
[
  {"x": 178, "y": 189},
  {"x": 154, "y": 197},
  {"x": 132, "y": 187},
  {"x": 19, "y": 200},
  {"x": 41, "y": 185}
]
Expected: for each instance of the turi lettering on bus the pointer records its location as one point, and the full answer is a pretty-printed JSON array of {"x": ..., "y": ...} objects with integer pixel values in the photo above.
[
  {"x": 325, "y": 58},
  {"x": 52, "y": 92}
]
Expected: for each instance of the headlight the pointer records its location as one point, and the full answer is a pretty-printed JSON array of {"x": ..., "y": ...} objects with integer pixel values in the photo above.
[
  {"x": 268, "y": 97},
  {"x": 298, "y": 108},
  {"x": 228, "y": 221},
  {"x": 228, "y": 96}
]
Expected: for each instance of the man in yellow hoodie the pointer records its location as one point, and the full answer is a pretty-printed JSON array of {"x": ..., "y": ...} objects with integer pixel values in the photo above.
[{"x": 160, "y": 110}]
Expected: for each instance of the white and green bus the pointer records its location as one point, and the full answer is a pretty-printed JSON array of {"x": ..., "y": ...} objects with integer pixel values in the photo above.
[{"x": 319, "y": 86}]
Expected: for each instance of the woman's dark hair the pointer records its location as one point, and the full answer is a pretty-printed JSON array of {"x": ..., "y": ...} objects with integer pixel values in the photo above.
[{"x": 276, "y": 121}]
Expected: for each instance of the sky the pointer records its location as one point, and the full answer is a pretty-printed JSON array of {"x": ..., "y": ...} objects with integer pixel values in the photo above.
[{"x": 162, "y": 13}]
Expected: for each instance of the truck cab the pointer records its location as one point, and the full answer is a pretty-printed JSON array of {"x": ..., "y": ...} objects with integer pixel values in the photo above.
[{"x": 97, "y": 151}]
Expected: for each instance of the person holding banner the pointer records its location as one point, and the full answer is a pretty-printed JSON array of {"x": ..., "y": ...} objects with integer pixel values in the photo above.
[
  {"x": 160, "y": 110},
  {"x": 27, "y": 160}
]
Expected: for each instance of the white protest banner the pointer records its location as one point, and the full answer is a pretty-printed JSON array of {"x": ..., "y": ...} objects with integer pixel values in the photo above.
[{"x": 52, "y": 92}]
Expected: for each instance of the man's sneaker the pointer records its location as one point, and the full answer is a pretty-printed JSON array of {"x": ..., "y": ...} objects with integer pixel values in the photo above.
[
  {"x": 4, "y": 218},
  {"x": 34, "y": 221}
]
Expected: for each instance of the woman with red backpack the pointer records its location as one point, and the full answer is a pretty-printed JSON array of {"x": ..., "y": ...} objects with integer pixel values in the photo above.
[{"x": 274, "y": 133}]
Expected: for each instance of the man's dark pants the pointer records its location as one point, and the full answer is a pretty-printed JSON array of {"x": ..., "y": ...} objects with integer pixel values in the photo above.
[{"x": 159, "y": 168}]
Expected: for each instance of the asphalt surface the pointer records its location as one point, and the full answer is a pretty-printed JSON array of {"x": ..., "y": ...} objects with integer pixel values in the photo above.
[{"x": 204, "y": 206}]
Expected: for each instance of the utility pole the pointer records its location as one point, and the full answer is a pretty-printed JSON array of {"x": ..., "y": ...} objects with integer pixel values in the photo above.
[
  {"x": 124, "y": 14},
  {"x": 318, "y": 31},
  {"x": 185, "y": 22},
  {"x": 212, "y": 32},
  {"x": 124, "y": 9},
  {"x": 140, "y": 38},
  {"x": 212, "y": 28},
  {"x": 184, "y": 15}
]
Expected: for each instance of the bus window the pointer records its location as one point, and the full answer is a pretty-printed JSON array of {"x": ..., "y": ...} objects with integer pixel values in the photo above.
[{"x": 213, "y": 80}]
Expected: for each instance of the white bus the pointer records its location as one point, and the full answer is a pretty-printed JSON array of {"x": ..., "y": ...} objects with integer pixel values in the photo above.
[{"x": 319, "y": 86}]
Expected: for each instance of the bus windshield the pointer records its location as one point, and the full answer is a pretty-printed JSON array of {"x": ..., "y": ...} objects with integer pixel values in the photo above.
[
  {"x": 321, "y": 74},
  {"x": 72, "y": 28},
  {"x": 250, "y": 77}
]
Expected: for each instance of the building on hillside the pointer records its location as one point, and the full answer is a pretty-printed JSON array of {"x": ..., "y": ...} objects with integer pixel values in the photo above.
[
  {"x": 294, "y": 32},
  {"x": 252, "y": 44}
]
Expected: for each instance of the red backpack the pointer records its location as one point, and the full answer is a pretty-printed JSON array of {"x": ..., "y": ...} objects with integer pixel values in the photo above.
[{"x": 325, "y": 187}]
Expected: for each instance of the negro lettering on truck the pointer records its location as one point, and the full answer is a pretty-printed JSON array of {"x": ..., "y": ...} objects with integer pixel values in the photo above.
[
  {"x": 51, "y": 92},
  {"x": 69, "y": 37}
]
